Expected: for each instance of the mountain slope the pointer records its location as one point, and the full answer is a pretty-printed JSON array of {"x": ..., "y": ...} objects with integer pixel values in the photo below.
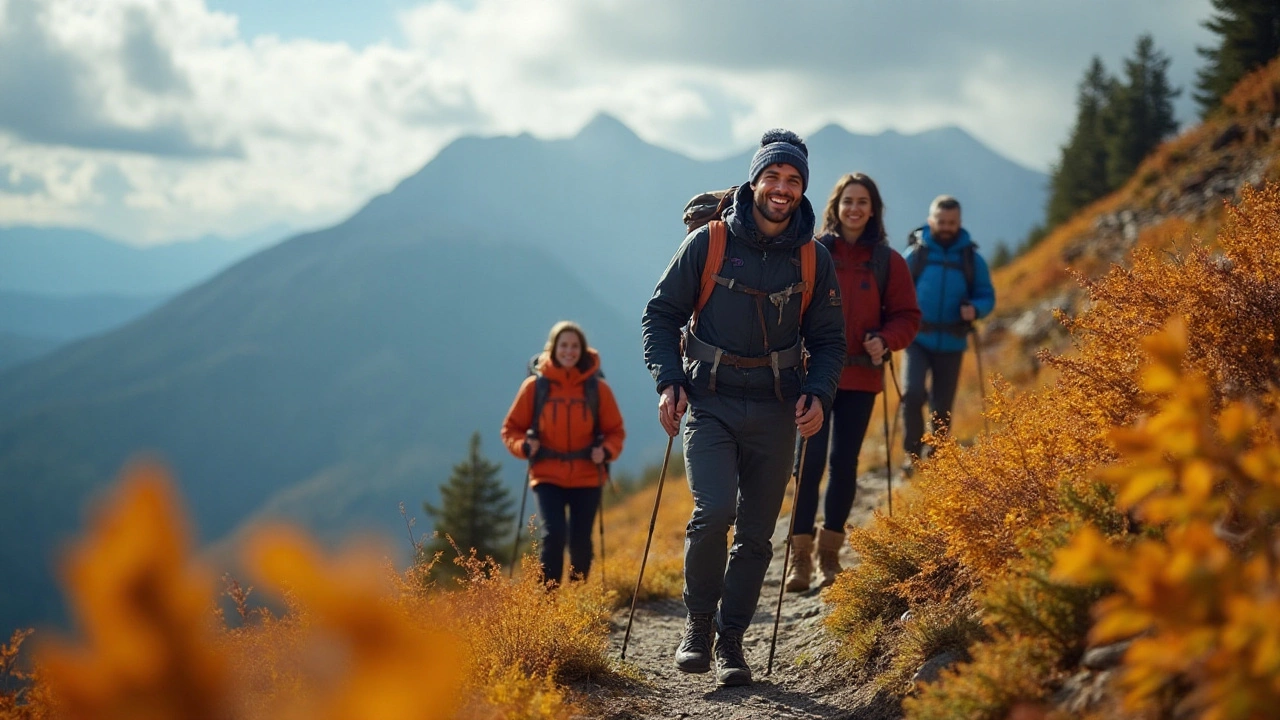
[
  {"x": 69, "y": 261},
  {"x": 337, "y": 373},
  {"x": 67, "y": 317}
]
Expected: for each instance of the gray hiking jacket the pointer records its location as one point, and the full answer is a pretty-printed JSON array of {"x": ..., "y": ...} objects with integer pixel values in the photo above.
[{"x": 730, "y": 320}]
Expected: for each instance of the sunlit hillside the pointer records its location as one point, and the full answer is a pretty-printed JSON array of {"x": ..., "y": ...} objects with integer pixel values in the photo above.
[{"x": 1109, "y": 547}]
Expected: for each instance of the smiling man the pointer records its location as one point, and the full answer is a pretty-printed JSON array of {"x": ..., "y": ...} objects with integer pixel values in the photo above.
[{"x": 741, "y": 378}]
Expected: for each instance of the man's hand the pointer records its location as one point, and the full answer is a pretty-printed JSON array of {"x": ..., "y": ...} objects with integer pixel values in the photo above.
[
  {"x": 968, "y": 312},
  {"x": 875, "y": 347},
  {"x": 808, "y": 415},
  {"x": 531, "y": 446},
  {"x": 597, "y": 455},
  {"x": 671, "y": 407}
]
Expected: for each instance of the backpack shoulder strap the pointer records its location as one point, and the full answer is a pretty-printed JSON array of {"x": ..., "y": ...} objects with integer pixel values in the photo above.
[
  {"x": 920, "y": 257},
  {"x": 541, "y": 389},
  {"x": 715, "y": 259},
  {"x": 880, "y": 268},
  {"x": 967, "y": 263},
  {"x": 591, "y": 391},
  {"x": 808, "y": 273}
]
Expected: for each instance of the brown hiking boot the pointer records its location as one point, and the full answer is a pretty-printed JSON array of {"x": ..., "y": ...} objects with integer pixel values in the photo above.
[
  {"x": 694, "y": 653},
  {"x": 829, "y": 544},
  {"x": 800, "y": 574}
]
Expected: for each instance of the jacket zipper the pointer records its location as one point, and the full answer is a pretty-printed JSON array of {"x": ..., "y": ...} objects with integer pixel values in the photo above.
[{"x": 942, "y": 293}]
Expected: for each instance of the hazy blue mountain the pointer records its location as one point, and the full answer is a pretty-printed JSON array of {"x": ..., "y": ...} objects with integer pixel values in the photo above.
[
  {"x": 608, "y": 204},
  {"x": 325, "y": 379},
  {"x": 16, "y": 349},
  {"x": 69, "y": 261},
  {"x": 333, "y": 375},
  {"x": 67, "y": 317}
]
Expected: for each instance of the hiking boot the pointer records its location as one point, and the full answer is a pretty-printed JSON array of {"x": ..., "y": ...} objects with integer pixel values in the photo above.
[
  {"x": 829, "y": 544},
  {"x": 800, "y": 574},
  {"x": 731, "y": 664},
  {"x": 694, "y": 653}
]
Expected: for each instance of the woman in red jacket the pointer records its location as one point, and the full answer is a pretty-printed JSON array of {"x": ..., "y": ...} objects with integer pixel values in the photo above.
[
  {"x": 577, "y": 432},
  {"x": 877, "y": 321}
]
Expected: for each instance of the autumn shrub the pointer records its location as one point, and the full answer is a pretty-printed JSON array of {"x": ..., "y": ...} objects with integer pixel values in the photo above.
[
  {"x": 1201, "y": 593},
  {"x": 980, "y": 523},
  {"x": 354, "y": 638}
]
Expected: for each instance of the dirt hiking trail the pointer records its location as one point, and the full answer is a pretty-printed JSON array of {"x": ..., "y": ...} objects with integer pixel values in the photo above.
[{"x": 808, "y": 680}]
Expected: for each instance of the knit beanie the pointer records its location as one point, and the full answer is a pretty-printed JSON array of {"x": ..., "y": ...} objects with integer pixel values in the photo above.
[{"x": 781, "y": 146}]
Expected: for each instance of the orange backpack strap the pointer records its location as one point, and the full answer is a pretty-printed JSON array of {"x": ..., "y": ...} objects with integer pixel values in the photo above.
[
  {"x": 715, "y": 259},
  {"x": 808, "y": 273}
]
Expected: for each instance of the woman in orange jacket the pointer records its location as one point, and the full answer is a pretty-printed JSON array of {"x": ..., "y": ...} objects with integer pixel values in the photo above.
[{"x": 569, "y": 445}]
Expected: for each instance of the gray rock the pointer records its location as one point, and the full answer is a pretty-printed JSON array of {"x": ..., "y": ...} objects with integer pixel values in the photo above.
[
  {"x": 934, "y": 666},
  {"x": 1105, "y": 657}
]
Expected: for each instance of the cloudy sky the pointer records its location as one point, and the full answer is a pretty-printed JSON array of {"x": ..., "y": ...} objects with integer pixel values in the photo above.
[{"x": 152, "y": 120}]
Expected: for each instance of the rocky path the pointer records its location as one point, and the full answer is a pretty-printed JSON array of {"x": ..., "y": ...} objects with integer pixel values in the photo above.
[{"x": 808, "y": 680}]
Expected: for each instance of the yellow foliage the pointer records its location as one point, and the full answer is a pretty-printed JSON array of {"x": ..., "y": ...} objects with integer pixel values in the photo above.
[
  {"x": 982, "y": 522},
  {"x": 1201, "y": 597},
  {"x": 356, "y": 640}
]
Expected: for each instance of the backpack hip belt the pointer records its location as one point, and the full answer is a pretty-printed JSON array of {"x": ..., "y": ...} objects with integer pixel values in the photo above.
[
  {"x": 549, "y": 454},
  {"x": 958, "y": 328},
  {"x": 858, "y": 360},
  {"x": 778, "y": 360}
]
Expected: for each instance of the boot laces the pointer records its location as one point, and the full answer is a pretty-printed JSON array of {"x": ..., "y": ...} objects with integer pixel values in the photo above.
[{"x": 698, "y": 630}]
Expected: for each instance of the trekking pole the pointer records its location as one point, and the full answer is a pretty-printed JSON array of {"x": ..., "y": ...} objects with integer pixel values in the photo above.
[
  {"x": 897, "y": 389},
  {"x": 982, "y": 383},
  {"x": 600, "y": 468},
  {"x": 786, "y": 555},
  {"x": 653, "y": 521},
  {"x": 888, "y": 442},
  {"x": 511, "y": 571}
]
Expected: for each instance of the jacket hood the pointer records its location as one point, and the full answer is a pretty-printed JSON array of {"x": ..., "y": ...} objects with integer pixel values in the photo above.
[
  {"x": 568, "y": 375},
  {"x": 743, "y": 225},
  {"x": 962, "y": 240}
]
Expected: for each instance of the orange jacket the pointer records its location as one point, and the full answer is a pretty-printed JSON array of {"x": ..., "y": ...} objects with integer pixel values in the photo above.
[{"x": 566, "y": 424}]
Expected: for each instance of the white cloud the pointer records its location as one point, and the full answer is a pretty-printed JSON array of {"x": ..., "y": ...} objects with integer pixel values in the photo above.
[{"x": 200, "y": 129}]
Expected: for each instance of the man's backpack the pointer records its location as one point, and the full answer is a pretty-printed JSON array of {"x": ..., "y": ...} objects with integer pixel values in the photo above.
[
  {"x": 707, "y": 209},
  {"x": 542, "y": 389},
  {"x": 920, "y": 258}
]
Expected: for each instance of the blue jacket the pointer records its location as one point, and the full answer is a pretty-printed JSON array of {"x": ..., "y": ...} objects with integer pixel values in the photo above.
[{"x": 941, "y": 289}]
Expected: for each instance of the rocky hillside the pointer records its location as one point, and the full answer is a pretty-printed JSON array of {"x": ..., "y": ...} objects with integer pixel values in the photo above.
[{"x": 1178, "y": 192}]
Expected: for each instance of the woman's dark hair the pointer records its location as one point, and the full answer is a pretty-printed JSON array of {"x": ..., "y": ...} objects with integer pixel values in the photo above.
[
  {"x": 874, "y": 231},
  {"x": 553, "y": 337}
]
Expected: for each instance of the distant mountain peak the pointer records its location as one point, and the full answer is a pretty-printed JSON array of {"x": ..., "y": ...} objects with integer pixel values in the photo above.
[{"x": 605, "y": 127}]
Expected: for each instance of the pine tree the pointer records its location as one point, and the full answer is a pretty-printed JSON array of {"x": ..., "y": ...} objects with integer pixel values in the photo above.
[
  {"x": 1249, "y": 37},
  {"x": 1142, "y": 111},
  {"x": 1080, "y": 175},
  {"x": 475, "y": 510}
]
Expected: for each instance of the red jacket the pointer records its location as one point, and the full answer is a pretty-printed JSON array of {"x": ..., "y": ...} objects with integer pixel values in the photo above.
[
  {"x": 862, "y": 308},
  {"x": 566, "y": 424}
]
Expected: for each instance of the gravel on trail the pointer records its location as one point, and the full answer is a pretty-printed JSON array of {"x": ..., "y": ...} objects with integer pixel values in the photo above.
[{"x": 808, "y": 681}]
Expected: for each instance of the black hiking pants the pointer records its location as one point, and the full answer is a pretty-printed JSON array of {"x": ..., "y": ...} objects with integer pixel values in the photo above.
[
  {"x": 941, "y": 394},
  {"x": 580, "y": 505},
  {"x": 738, "y": 456},
  {"x": 843, "y": 429}
]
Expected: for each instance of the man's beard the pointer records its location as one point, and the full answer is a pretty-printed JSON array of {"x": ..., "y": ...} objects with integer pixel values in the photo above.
[{"x": 773, "y": 214}]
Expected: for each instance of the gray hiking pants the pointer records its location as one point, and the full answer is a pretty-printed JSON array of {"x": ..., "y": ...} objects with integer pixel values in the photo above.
[
  {"x": 738, "y": 456},
  {"x": 945, "y": 369}
]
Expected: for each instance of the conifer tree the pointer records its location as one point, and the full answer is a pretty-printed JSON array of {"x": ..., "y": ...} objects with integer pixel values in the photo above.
[
  {"x": 475, "y": 510},
  {"x": 1248, "y": 37},
  {"x": 1142, "y": 111},
  {"x": 1080, "y": 175}
]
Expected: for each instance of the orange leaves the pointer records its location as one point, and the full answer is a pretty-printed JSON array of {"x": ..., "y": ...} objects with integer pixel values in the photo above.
[
  {"x": 364, "y": 655},
  {"x": 1204, "y": 593},
  {"x": 146, "y": 614},
  {"x": 152, "y": 649}
]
